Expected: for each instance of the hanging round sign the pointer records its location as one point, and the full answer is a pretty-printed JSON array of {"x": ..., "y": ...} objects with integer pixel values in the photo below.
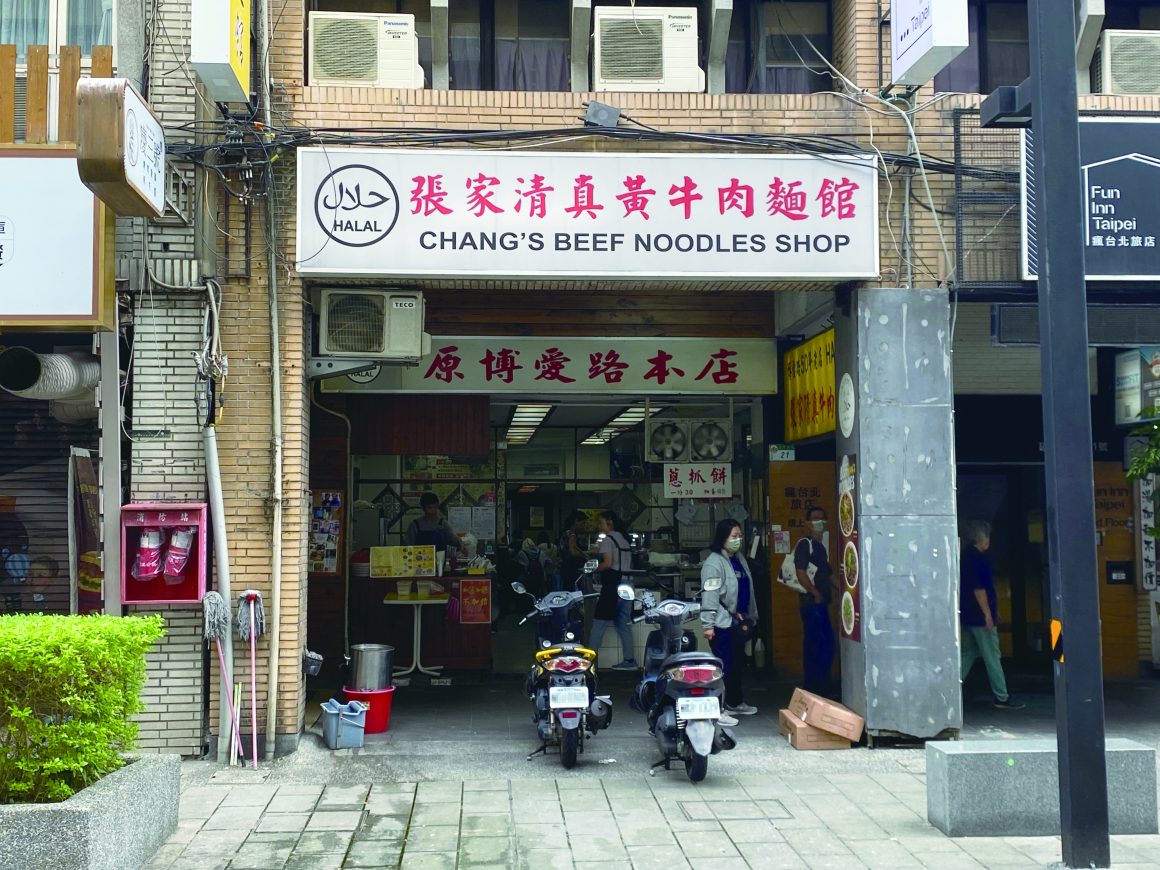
[{"x": 846, "y": 405}]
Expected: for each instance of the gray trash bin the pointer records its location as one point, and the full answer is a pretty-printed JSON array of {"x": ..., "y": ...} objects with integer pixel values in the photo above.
[
  {"x": 371, "y": 667},
  {"x": 343, "y": 725}
]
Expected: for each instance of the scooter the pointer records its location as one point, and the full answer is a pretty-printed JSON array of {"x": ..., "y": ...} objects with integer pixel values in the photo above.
[
  {"x": 681, "y": 690},
  {"x": 562, "y": 683}
]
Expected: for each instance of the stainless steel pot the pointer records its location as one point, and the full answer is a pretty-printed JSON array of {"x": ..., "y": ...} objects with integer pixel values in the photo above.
[{"x": 371, "y": 666}]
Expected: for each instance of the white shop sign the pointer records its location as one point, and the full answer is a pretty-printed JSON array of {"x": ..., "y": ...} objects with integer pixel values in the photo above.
[
  {"x": 636, "y": 366},
  {"x": 925, "y": 36},
  {"x": 392, "y": 212},
  {"x": 698, "y": 480}
]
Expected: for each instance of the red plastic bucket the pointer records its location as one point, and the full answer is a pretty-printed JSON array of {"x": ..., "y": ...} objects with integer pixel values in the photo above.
[{"x": 379, "y": 703}]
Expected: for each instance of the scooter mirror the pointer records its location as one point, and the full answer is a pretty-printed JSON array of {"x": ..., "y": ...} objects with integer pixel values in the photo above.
[
  {"x": 626, "y": 592},
  {"x": 519, "y": 587},
  {"x": 590, "y": 566}
]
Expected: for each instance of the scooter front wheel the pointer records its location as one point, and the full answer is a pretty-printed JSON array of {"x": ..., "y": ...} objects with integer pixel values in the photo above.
[
  {"x": 696, "y": 766},
  {"x": 569, "y": 744}
]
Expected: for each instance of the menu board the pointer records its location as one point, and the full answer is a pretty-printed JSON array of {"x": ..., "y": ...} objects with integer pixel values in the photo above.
[
  {"x": 403, "y": 561},
  {"x": 849, "y": 567}
]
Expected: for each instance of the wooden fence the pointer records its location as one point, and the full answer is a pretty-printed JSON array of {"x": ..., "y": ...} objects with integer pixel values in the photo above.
[{"x": 36, "y": 99}]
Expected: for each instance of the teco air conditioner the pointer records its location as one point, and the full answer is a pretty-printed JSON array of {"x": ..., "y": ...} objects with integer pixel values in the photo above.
[
  {"x": 711, "y": 440},
  {"x": 350, "y": 49},
  {"x": 1127, "y": 62},
  {"x": 646, "y": 49},
  {"x": 375, "y": 324}
]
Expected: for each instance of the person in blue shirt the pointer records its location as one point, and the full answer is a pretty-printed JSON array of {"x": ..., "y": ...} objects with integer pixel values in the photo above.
[{"x": 978, "y": 612}]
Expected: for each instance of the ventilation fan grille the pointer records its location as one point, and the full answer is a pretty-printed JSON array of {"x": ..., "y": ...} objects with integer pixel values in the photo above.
[
  {"x": 345, "y": 48},
  {"x": 354, "y": 323},
  {"x": 668, "y": 441},
  {"x": 631, "y": 49},
  {"x": 711, "y": 441}
]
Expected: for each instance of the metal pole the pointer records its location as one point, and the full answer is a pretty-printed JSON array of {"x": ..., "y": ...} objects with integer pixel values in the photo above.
[{"x": 1067, "y": 431}]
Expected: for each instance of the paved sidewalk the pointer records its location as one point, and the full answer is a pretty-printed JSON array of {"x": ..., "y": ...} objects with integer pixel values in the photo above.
[{"x": 833, "y": 820}]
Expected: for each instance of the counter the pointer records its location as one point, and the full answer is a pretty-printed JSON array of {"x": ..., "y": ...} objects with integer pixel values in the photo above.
[{"x": 376, "y": 617}]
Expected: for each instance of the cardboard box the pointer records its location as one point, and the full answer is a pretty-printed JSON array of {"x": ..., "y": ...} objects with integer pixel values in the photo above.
[
  {"x": 804, "y": 737},
  {"x": 826, "y": 715}
]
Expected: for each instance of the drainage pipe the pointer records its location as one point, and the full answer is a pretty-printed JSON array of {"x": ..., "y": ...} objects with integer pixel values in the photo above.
[
  {"x": 221, "y": 559},
  {"x": 265, "y": 33}
]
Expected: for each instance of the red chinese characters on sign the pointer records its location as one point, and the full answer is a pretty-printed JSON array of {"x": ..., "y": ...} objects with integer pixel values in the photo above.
[
  {"x": 428, "y": 195},
  {"x": 661, "y": 371},
  {"x": 536, "y": 196},
  {"x": 479, "y": 198},
  {"x": 445, "y": 366},
  {"x": 837, "y": 196},
  {"x": 724, "y": 371},
  {"x": 786, "y": 200},
  {"x": 550, "y": 366},
  {"x": 584, "y": 198},
  {"x": 736, "y": 196},
  {"x": 636, "y": 198},
  {"x": 697, "y": 480},
  {"x": 501, "y": 366},
  {"x": 684, "y": 195},
  {"x": 475, "y": 601},
  {"x": 607, "y": 365}
]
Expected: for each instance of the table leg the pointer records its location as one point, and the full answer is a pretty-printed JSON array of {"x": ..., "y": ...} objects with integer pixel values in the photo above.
[
  {"x": 434, "y": 670},
  {"x": 402, "y": 672}
]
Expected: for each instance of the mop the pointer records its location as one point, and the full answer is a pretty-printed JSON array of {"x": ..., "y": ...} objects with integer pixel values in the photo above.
[
  {"x": 217, "y": 626},
  {"x": 250, "y": 627}
]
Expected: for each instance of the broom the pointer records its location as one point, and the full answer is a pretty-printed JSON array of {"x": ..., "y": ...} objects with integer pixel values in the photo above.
[
  {"x": 251, "y": 626},
  {"x": 217, "y": 627}
]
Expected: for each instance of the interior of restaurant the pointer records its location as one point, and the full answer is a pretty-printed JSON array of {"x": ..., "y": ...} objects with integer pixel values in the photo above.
[{"x": 549, "y": 457}]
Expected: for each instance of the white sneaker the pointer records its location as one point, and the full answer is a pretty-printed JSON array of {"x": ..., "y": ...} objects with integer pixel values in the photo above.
[
  {"x": 741, "y": 710},
  {"x": 726, "y": 720}
]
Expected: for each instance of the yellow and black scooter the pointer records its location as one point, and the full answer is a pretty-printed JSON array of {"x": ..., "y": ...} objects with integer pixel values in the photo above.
[{"x": 562, "y": 683}]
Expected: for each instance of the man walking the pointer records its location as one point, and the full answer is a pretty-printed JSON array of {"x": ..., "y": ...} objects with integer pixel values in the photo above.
[
  {"x": 816, "y": 577},
  {"x": 978, "y": 612}
]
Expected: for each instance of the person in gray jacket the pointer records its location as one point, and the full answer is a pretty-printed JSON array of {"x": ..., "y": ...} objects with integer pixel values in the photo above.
[{"x": 729, "y": 610}]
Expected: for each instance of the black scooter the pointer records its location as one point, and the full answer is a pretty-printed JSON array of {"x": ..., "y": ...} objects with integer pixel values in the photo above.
[
  {"x": 562, "y": 683},
  {"x": 682, "y": 690}
]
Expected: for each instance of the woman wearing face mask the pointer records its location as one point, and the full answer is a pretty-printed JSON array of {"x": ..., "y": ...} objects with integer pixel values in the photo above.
[{"x": 729, "y": 612}]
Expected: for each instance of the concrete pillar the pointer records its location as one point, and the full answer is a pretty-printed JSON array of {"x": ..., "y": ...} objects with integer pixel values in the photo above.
[
  {"x": 720, "y": 17},
  {"x": 895, "y": 439},
  {"x": 581, "y": 42},
  {"x": 440, "y": 46}
]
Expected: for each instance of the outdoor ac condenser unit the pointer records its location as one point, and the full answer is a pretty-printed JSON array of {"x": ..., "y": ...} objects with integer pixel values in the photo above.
[
  {"x": 647, "y": 49},
  {"x": 1127, "y": 62},
  {"x": 376, "y": 324},
  {"x": 350, "y": 49}
]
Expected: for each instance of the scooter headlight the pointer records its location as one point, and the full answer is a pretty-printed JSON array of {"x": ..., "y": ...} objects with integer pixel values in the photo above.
[
  {"x": 568, "y": 665},
  {"x": 694, "y": 673}
]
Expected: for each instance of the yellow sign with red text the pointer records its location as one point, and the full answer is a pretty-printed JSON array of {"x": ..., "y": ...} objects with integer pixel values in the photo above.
[{"x": 809, "y": 388}]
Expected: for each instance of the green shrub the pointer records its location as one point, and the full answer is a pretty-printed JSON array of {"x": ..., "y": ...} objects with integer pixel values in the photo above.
[{"x": 69, "y": 686}]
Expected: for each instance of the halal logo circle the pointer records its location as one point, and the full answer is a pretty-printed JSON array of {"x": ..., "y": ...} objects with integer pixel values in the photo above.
[{"x": 356, "y": 205}]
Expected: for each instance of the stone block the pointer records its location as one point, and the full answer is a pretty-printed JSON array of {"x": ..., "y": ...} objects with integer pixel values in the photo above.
[
  {"x": 1010, "y": 788},
  {"x": 117, "y": 822}
]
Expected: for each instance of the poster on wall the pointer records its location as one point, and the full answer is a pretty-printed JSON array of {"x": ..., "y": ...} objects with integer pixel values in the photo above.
[
  {"x": 475, "y": 601},
  {"x": 326, "y": 531},
  {"x": 86, "y": 574},
  {"x": 849, "y": 565},
  {"x": 808, "y": 382}
]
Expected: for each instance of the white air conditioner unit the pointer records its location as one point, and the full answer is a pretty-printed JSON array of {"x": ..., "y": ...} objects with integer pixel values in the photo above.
[
  {"x": 1127, "y": 62},
  {"x": 667, "y": 440},
  {"x": 351, "y": 49},
  {"x": 376, "y": 324},
  {"x": 647, "y": 49},
  {"x": 711, "y": 440}
]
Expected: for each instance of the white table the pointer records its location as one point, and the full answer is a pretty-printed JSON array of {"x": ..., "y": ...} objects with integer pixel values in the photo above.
[{"x": 417, "y": 634}]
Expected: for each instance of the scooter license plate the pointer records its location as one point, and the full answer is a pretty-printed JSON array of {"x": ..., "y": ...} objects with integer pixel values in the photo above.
[
  {"x": 698, "y": 708},
  {"x": 568, "y": 696}
]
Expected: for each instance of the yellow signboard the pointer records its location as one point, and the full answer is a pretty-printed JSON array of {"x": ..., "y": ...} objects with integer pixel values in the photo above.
[
  {"x": 809, "y": 388},
  {"x": 220, "y": 48},
  {"x": 240, "y": 42}
]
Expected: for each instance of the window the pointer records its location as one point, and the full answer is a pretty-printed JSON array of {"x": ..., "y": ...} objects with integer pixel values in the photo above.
[
  {"x": 55, "y": 23},
  {"x": 998, "y": 53},
  {"x": 532, "y": 49},
  {"x": 770, "y": 51}
]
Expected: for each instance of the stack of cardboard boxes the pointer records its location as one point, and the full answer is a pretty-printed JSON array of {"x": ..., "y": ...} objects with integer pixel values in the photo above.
[{"x": 813, "y": 722}]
